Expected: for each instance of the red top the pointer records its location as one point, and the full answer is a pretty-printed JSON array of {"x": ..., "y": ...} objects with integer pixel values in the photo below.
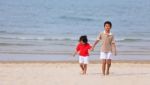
[{"x": 83, "y": 49}]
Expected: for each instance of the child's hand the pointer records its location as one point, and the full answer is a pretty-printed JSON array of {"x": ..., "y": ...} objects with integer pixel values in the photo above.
[
  {"x": 92, "y": 49},
  {"x": 74, "y": 55},
  {"x": 115, "y": 53}
]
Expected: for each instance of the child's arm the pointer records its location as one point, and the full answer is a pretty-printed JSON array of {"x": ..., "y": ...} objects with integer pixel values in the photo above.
[
  {"x": 90, "y": 49},
  {"x": 94, "y": 45},
  {"x": 97, "y": 40},
  {"x": 76, "y": 50},
  {"x": 114, "y": 51},
  {"x": 74, "y": 54}
]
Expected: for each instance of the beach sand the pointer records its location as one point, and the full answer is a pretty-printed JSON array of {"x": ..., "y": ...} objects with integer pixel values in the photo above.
[{"x": 65, "y": 73}]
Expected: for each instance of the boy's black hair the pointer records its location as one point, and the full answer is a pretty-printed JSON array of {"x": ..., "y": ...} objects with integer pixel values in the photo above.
[
  {"x": 108, "y": 22},
  {"x": 84, "y": 39}
]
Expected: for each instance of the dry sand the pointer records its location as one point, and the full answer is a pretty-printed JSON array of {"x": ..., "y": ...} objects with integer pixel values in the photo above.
[{"x": 43, "y": 73}]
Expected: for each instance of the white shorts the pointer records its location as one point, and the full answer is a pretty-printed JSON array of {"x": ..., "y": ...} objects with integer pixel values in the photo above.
[
  {"x": 105, "y": 55},
  {"x": 83, "y": 59}
]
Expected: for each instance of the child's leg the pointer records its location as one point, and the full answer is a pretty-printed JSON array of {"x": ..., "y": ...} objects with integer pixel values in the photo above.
[
  {"x": 81, "y": 64},
  {"x": 108, "y": 66},
  {"x": 85, "y": 68},
  {"x": 103, "y": 66},
  {"x": 82, "y": 67}
]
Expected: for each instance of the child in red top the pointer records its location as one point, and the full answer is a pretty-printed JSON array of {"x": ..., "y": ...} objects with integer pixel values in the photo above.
[{"x": 82, "y": 49}]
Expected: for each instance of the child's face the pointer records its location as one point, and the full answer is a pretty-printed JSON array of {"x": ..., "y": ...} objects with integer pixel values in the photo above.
[
  {"x": 82, "y": 42},
  {"x": 107, "y": 27}
]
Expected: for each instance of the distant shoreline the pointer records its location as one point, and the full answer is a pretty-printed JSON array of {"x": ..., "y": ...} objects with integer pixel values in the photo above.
[
  {"x": 67, "y": 57},
  {"x": 75, "y": 62},
  {"x": 69, "y": 53}
]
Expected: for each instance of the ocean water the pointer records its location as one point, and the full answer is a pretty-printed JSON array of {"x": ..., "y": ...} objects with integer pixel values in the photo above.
[{"x": 54, "y": 26}]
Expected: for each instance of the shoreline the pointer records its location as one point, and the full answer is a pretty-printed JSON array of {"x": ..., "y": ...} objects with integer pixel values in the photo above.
[
  {"x": 68, "y": 53},
  {"x": 68, "y": 58},
  {"x": 76, "y": 62}
]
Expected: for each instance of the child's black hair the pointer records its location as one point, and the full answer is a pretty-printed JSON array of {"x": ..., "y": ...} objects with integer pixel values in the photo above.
[
  {"x": 84, "y": 39},
  {"x": 108, "y": 22}
]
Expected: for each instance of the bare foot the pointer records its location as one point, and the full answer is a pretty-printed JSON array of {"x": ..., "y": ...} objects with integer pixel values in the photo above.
[
  {"x": 84, "y": 73},
  {"x": 81, "y": 72},
  {"x": 107, "y": 73},
  {"x": 103, "y": 73}
]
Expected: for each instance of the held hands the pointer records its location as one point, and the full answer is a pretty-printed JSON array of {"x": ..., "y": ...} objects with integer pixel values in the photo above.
[{"x": 92, "y": 49}]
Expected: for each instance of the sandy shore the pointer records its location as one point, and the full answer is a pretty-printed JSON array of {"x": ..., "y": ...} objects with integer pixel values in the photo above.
[{"x": 45, "y": 73}]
